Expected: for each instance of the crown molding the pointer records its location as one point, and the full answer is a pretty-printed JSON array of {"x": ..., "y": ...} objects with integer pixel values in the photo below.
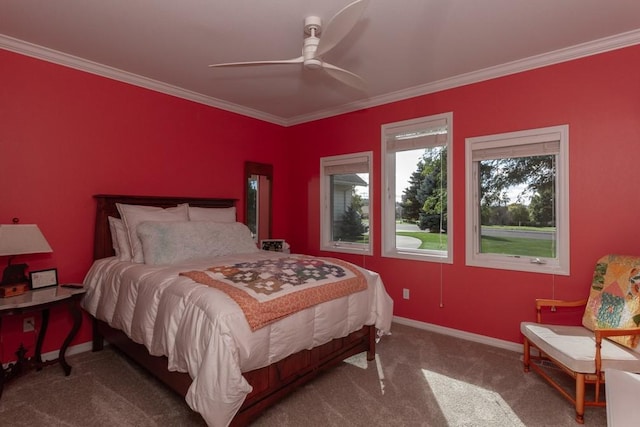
[
  {"x": 56, "y": 57},
  {"x": 550, "y": 58},
  {"x": 562, "y": 55}
]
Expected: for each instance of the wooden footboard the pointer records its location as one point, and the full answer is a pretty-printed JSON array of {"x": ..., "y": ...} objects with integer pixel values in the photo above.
[{"x": 270, "y": 384}]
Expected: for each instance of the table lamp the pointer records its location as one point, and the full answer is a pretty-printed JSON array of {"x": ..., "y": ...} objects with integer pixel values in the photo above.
[{"x": 20, "y": 239}]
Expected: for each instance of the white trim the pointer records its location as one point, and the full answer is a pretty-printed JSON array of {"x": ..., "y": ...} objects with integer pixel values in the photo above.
[
  {"x": 561, "y": 263},
  {"x": 456, "y": 333},
  {"x": 60, "y": 58},
  {"x": 326, "y": 227},
  {"x": 74, "y": 349},
  {"x": 51, "y": 355},
  {"x": 388, "y": 200},
  {"x": 590, "y": 48}
]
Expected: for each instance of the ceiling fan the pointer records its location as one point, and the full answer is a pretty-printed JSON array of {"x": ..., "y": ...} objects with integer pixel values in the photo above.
[{"x": 314, "y": 46}]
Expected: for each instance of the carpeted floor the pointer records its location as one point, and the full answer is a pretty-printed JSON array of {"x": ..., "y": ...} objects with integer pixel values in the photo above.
[{"x": 420, "y": 378}]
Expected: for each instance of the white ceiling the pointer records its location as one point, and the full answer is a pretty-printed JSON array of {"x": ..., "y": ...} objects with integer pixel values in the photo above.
[{"x": 402, "y": 48}]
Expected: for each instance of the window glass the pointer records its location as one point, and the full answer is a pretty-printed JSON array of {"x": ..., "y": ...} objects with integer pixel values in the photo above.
[
  {"x": 416, "y": 206},
  {"x": 517, "y": 214},
  {"x": 345, "y": 190}
]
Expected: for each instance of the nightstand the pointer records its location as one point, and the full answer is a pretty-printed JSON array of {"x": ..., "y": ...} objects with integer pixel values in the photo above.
[{"x": 41, "y": 300}]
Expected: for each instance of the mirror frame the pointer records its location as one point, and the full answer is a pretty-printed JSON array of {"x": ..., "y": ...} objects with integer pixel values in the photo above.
[{"x": 261, "y": 169}]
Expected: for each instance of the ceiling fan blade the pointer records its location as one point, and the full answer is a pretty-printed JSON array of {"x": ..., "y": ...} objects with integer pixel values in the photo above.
[
  {"x": 346, "y": 77},
  {"x": 297, "y": 60},
  {"x": 340, "y": 25}
]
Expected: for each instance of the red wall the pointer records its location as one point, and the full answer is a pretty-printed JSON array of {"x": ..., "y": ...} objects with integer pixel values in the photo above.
[
  {"x": 598, "y": 97},
  {"x": 66, "y": 135}
]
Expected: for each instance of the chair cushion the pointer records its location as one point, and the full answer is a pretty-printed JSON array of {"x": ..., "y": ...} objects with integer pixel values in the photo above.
[
  {"x": 614, "y": 300},
  {"x": 575, "y": 348}
]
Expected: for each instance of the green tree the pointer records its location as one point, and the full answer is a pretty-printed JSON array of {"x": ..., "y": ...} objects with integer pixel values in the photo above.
[
  {"x": 433, "y": 191},
  {"x": 536, "y": 173},
  {"x": 350, "y": 228},
  {"x": 541, "y": 208},
  {"x": 518, "y": 214},
  {"x": 356, "y": 201},
  {"x": 410, "y": 204},
  {"x": 496, "y": 215}
]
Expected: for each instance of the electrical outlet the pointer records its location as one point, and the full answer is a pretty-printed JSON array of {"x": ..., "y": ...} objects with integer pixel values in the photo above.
[
  {"x": 405, "y": 293},
  {"x": 28, "y": 324}
]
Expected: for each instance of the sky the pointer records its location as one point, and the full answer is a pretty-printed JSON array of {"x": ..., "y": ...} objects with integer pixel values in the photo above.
[{"x": 406, "y": 164}]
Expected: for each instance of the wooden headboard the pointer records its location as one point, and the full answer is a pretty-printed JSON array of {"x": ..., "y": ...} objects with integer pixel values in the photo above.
[{"x": 106, "y": 207}]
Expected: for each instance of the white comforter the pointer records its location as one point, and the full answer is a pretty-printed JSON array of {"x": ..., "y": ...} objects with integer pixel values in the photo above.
[{"x": 203, "y": 332}]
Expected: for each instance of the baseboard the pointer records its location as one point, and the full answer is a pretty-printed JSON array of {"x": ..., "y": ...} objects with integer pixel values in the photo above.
[
  {"x": 74, "y": 349},
  {"x": 482, "y": 339}
]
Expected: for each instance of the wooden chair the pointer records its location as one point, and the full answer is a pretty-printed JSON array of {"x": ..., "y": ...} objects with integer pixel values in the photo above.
[{"x": 607, "y": 338}]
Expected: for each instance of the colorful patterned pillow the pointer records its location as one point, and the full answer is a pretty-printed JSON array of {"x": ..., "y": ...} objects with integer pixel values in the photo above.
[{"x": 614, "y": 301}]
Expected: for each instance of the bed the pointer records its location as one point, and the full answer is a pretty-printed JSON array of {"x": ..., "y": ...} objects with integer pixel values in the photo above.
[{"x": 227, "y": 371}]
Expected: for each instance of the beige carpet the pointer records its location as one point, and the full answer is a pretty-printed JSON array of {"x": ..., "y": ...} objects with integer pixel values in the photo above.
[{"x": 420, "y": 379}]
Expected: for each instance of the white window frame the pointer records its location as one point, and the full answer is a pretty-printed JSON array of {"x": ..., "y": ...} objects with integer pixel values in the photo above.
[
  {"x": 519, "y": 143},
  {"x": 346, "y": 163},
  {"x": 389, "y": 248}
]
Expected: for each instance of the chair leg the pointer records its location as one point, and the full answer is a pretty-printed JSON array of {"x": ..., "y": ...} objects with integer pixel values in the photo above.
[
  {"x": 526, "y": 355},
  {"x": 580, "y": 398}
]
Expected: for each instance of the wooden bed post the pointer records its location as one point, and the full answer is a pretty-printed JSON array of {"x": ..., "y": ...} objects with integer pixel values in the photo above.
[
  {"x": 371, "y": 352},
  {"x": 97, "y": 339}
]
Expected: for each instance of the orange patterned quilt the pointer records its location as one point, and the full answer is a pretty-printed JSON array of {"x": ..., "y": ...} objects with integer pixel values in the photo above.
[{"x": 268, "y": 290}]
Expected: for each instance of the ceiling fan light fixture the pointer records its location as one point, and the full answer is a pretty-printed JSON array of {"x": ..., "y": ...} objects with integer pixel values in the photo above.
[
  {"x": 311, "y": 61},
  {"x": 312, "y": 64},
  {"x": 314, "y": 48}
]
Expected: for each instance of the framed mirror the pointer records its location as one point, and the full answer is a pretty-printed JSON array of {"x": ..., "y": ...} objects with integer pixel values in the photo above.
[{"x": 259, "y": 181}]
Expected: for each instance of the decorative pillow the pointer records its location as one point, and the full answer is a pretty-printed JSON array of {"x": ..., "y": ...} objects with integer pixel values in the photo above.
[
  {"x": 133, "y": 215},
  {"x": 614, "y": 301},
  {"x": 173, "y": 242},
  {"x": 119, "y": 239},
  {"x": 212, "y": 214}
]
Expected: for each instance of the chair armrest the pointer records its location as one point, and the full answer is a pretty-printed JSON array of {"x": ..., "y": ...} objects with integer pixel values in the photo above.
[
  {"x": 617, "y": 332},
  {"x": 553, "y": 303},
  {"x": 601, "y": 333}
]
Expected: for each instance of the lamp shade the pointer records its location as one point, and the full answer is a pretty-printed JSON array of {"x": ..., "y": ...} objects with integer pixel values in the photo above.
[{"x": 18, "y": 239}]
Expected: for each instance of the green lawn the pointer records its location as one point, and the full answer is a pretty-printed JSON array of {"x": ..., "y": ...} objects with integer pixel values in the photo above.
[
  {"x": 518, "y": 246},
  {"x": 519, "y": 228},
  {"x": 429, "y": 240},
  {"x": 496, "y": 245}
]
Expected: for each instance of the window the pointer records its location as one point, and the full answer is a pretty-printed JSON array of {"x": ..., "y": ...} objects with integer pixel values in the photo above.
[
  {"x": 417, "y": 178},
  {"x": 517, "y": 214},
  {"x": 345, "y": 224}
]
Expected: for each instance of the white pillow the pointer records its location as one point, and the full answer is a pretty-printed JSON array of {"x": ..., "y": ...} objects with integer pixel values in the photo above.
[
  {"x": 212, "y": 214},
  {"x": 114, "y": 236},
  {"x": 119, "y": 239},
  {"x": 133, "y": 215},
  {"x": 173, "y": 242}
]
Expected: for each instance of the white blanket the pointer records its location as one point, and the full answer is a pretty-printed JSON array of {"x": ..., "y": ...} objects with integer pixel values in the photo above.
[{"x": 202, "y": 331}]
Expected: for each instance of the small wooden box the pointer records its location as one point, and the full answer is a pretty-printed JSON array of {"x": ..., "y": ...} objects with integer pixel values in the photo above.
[{"x": 13, "y": 290}]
